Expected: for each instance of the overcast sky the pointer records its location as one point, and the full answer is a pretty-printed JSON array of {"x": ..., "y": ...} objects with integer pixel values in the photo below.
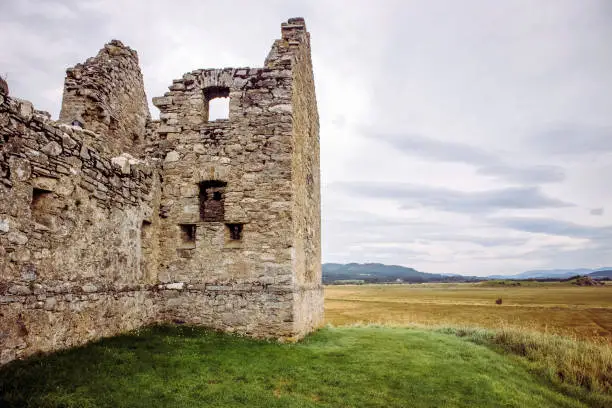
[{"x": 469, "y": 137}]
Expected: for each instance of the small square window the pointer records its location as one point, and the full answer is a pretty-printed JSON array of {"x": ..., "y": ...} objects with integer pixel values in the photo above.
[{"x": 235, "y": 231}]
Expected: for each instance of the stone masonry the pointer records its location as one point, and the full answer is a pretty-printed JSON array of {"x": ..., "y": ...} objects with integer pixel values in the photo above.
[{"x": 110, "y": 221}]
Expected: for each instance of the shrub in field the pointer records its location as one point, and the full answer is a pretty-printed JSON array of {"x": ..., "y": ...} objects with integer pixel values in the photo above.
[{"x": 498, "y": 301}]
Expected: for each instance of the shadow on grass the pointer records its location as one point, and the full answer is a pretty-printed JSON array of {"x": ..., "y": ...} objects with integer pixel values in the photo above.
[{"x": 192, "y": 367}]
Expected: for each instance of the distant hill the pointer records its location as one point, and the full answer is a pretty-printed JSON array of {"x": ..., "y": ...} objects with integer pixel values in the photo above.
[
  {"x": 555, "y": 273},
  {"x": 380, "y": 273},
  {"x": 607, "y": 273}
]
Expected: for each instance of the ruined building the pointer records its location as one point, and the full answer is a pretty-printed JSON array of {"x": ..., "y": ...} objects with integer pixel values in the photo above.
[{"x": 110, "y": 220}]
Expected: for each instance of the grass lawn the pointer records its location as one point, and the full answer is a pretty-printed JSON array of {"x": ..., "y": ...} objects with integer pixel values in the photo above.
[{"x": 335, "y": 367}]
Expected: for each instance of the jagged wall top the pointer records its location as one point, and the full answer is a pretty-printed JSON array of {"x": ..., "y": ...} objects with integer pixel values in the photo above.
[
  {"x": 4, "y": 90},
  {"x": 293, "y": 33},
  {"x": 106, "y": 95}
]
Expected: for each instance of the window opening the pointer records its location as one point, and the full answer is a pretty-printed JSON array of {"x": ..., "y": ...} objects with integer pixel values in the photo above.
[
  {"x": 42, "y": 206},
  {"x": 218, "y": 108},
  {"x": 212, "y": 200},
  {"x": 235, "y": 231},
  {"x": 216, "y": 103},
  {"x": 188, "y": 235}
]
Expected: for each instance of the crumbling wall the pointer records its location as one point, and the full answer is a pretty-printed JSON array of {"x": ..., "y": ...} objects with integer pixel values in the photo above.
[
  {"x": 216, "y": 223},
  {"x": 242, "y": 284},
  {"x": 265, "y": 161},
  {"x": 106, "y": 95},
  {"x": 71, "y": 263}
]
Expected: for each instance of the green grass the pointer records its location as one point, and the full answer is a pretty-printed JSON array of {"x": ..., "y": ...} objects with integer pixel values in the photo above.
[
  {"x": 335, "y": 367},
  {"x": 581, "y": 367}
]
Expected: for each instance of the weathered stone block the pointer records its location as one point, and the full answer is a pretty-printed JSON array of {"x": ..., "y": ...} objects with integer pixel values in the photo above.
[
  {"x": 19, "y": 290},
  {"x": 172, "y": 157},
  {"x": 162, "y": 101},
  {"x": 52, "y": 149},
  {"x": 16, "y": 237}
]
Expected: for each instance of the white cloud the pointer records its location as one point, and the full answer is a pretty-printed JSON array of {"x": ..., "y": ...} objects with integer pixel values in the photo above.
[{"x": 496, "y": 98}]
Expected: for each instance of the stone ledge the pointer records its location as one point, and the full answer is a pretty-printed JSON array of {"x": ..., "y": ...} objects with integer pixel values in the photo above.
[{"x": 19, "y": 293}]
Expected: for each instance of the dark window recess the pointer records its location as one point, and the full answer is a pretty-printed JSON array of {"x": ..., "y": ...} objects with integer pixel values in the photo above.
[
  {"x": 188, "y": 235},
  {"x": 77, "y": 123},
  {"x": 212, "y": 200},
  {"x": 235, "y": 231},
  {"x": 42, "y": 206},
  {"x": 216, "y": 103}
]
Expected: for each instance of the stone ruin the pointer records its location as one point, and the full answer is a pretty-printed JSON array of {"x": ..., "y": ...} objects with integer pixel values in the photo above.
[{"x": 110, "y": 220}]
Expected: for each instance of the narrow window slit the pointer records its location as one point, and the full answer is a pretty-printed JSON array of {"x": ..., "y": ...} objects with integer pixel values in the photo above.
[{"x": 145, "y": 231}]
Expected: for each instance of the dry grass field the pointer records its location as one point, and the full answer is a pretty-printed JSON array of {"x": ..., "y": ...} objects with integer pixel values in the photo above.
[{"x": 559, "y": 308}]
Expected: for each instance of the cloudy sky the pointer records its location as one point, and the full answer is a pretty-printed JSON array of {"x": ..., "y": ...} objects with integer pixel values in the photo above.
[{"x": 468, "y": 137}]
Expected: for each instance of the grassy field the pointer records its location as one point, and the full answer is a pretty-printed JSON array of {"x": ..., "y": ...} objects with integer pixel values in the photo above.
[
  {"x": 582, "y": 312},
  {"x": 445, "y": 364},
  {"x": 335, "y": 367}
]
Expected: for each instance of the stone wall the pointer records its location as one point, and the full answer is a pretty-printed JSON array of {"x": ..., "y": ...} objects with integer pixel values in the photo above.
[
  {"x": 306, "y": 179},
  {"x": 214, "y": 222},
  {"x": 71, "y": 264},
  {"x": 263, "y": 162},
  {"x": 246, "y": 160}
]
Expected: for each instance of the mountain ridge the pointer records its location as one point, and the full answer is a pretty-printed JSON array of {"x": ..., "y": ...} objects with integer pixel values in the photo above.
[
  {"x": 378, "y": 273},
  {"x": 553, "y": 273},
  {"x": 374, "y": 272}
]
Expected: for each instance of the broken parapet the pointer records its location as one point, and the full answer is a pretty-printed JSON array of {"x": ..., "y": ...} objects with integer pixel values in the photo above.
[
  {"x": 293, "y": 37},
  {"x": 106, "y": 95}
]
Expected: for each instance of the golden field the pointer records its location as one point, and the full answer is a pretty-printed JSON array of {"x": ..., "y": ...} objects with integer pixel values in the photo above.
[{"x": 557, "y": 307}]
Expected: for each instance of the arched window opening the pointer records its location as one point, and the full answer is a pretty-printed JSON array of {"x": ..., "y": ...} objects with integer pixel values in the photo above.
[
  {"x": 218, "y": 108},
  {"x": 216, "y": 103}
]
